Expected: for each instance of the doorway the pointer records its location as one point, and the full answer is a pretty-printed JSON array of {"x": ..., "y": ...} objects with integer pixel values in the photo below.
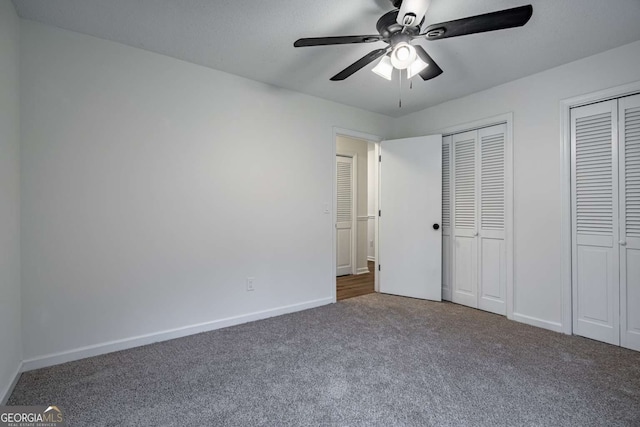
[
  {"x": 411, "y": 227},
  {"x": 355, "y": 262}
]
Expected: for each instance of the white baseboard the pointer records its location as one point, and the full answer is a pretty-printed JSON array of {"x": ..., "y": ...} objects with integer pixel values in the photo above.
[
  {"x": 540, "y": 323},
  {"x": 362, "y": 270},
  {"x": 371, "y": 258},
  {"x": 6, "y": 393},
  {"x": 124, "y": 344}
]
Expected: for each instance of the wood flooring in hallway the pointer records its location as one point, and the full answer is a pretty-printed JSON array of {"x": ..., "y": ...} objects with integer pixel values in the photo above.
[{"x": 354, "y": 286}]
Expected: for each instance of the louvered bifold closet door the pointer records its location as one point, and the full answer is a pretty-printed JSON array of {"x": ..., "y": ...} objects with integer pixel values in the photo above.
[
  {"x": 465, "y": 232},
  {"x": 629, "y": 239},
  {"x": 594, "y": 176},
  {"x": 344, "y": 216},
  {"x": 492, "y": 278},
  {"x": 447, "y": 152}
]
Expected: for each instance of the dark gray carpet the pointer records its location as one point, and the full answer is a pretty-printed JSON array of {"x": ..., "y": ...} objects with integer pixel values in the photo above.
[{"x": 369, "y": 361}]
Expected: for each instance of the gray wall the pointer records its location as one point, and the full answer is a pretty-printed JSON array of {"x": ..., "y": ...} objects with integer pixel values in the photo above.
[
  {"x": 10, "y": 329},
  {"x": 152, "y": 188}
]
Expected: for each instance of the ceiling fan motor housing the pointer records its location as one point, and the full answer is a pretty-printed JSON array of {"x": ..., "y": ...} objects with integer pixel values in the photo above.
[
  {"x": 388, "y": 27},
  {"x": 412, "y": 12}
]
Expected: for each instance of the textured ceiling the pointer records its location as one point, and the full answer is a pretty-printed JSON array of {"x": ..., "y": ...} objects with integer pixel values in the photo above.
[{"x": 254, "y": 39}]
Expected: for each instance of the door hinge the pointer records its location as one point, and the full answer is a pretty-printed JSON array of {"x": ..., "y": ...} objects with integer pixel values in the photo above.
[
  {"x": 380, "y": 213},
  {"x": 379, "y": 267},
  {"x": 380, "y": 158}
]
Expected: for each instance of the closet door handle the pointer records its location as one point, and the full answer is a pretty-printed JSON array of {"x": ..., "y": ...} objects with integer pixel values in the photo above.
[
  {"x": 623, "y": 242},
  {"x": 475, "y": 234}
]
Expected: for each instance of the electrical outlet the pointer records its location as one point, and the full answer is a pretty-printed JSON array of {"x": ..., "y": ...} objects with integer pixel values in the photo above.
[{"x": 250, "y": 284}]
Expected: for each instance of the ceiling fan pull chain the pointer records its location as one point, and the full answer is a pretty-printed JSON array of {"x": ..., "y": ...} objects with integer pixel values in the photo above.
[{"x": 400, "y": 89}]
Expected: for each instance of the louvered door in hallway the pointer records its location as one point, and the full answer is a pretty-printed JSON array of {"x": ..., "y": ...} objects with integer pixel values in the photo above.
[
  {"x": 345, "y": 212},
  {"x": 605, "y": 169}
]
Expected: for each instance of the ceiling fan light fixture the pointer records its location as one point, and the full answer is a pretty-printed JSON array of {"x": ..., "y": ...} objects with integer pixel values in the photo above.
[
  {"x": 415, "y": 67},
  {"x": 384, "y": 68},
  {"x": 403, "y": 55}
]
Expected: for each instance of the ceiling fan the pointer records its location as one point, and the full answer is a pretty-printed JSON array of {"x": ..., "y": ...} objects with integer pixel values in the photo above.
[{"x": 400, "y": 27}]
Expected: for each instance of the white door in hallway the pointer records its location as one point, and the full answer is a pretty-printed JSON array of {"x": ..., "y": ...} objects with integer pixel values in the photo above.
[
  {"x": 344, "y": 216},
  {"x": 410, "y": 233}
]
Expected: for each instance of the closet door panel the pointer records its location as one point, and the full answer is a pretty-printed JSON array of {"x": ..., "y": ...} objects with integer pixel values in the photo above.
[
  {"x": 493, "y": 280},
  {"x": 594, "y": 176},
  {"x": 465, "y": 271},
  {"x": 446, "y": 268},
  {"x": 447, "y": 152},
  {"x": 629, "y": 238},
  {"x": 630, "y": 337},
  {"x": 492, "y": 288},
  {"x": 596, "y": 307},
  {"x": 464, "y": 221}
]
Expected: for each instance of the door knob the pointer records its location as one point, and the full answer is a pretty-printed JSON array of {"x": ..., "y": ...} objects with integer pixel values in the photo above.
[
  {"x": 475, "y": 234},
  {"x": 623, "y": 242},
  {"x": 436, "y": 226}
]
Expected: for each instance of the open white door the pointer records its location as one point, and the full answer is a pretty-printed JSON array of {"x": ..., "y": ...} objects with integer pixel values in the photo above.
[{"x": 410, "y": 233}]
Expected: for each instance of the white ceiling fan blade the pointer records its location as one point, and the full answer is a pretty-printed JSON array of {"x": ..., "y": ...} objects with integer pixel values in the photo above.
[{"x": 412, "y": 12}]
